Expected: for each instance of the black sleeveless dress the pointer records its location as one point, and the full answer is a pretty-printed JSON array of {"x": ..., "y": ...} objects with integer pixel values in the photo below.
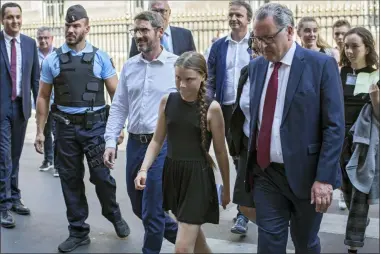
[{"x": 189, "y": 187}]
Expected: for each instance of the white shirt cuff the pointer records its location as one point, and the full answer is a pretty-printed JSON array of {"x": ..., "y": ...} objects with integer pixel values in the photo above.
[{"x": 110, "y": 143}]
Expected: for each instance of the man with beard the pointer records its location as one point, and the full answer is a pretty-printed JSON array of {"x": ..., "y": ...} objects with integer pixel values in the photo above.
[
  {"x": 176, "y": 40},
  {"x": 20, "y": 72},
  {"x": 227, "y": 57},
  {"x": 45, "y": 47},
  {"x": 78, "y": 72},
  {"x": 144, "y": 80}
]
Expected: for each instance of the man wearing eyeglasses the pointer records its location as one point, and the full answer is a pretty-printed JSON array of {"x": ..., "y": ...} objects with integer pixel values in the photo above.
[
  {"x": 45, "y": 47},
  {"x": 144, "y": 80},
  {"x": 296, "y": 134},
  {"x": 227, "y": 57},
  {"x": 176, "y": 40}
]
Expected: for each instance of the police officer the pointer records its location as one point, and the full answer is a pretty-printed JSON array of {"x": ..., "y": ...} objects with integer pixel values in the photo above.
[{"x": 78, "y": 72}]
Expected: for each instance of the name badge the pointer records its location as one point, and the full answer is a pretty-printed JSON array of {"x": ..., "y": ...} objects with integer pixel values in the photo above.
[{"x": 351, "y": 79}]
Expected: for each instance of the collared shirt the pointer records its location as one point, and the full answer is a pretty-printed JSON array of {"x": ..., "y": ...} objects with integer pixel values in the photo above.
[
  {"x": 41, "y": 58},
  {"x": 237, "y": 57},
  {"x": 244, "y": 103},
  {"x": 41, "y": 55},
  {"x": 8, "y": 45},
  {"x": 141, "y": 86},
  {"x": 103, "y": 69},
  {"x": 276, "y": 154},
  {"x": 168, "y": 37}
]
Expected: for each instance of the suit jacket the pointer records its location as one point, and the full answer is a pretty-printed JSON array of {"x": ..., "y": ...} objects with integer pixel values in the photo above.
[
  {"x": 312, "y": 127},
  {"x": 30, "y": 75},
  {"x": 217, "y": 69},
  {"x": 182, "y": 41},
  {"x": 235, "y": 133}
]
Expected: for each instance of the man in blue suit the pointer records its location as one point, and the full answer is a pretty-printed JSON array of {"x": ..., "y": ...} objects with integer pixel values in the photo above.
[
  {"x": 176, "y": 40},
  {"x": 227, "y": 57},
  {"x": 297, "y": 132},
  {"x": 20, "y": 74}
]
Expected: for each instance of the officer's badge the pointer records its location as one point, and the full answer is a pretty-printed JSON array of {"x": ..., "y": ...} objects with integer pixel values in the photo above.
[
  {"x": 112, "y": 63},
  {"x": 73, "y": 18}
]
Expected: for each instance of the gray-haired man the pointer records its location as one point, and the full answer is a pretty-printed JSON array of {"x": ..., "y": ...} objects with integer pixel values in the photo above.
[
  {"x": 45, "y": 47},
  {"x": 144, "y": 80}
]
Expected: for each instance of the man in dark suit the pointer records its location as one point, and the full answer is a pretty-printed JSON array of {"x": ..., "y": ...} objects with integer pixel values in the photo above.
[
  {"x": 227, "y": 57},
  {"x": 176, "y": 40},
  {"x": 20, "y": 74},
  {"x": 296, "y": 134}
]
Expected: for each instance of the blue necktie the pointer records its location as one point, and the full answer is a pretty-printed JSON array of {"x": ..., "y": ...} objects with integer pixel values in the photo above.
[{"x": 164, "y": 42}]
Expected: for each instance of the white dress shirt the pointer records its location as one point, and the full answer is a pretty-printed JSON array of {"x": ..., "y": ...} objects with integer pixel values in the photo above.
[
  {"x": 168, "y": 37},
  {"x": 276, "y": 154},
  {"x": 237, "y": 57},
  {"x": 244, "y": 103},
  {"x": 141, "y": 86},
  {"x": 8, "y": 45}
]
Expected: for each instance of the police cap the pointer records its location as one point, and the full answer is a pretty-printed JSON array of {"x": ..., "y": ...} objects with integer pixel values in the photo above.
[{"x": 75, "y": 12}]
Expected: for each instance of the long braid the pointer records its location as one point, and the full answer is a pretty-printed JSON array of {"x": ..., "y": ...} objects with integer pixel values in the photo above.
[{"x": 203, "y": 106}]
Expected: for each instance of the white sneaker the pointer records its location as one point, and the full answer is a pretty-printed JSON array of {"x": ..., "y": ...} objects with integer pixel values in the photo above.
[{"x": 342, "y": 204}]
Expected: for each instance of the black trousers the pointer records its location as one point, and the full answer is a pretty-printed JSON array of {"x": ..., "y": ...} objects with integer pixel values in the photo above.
[{"x": 73, "y": 143}]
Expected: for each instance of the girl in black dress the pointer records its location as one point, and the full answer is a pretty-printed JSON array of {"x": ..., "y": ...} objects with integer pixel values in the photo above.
[
  {"x": 358, "y": 56},
  {"x": 190, "y": 123}
]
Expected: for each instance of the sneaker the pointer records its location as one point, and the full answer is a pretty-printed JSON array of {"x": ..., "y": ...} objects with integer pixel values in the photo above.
[
  {"x": 56, "y": 173},
  {"x": 46, "y": 165},
  {"x": 72, "y": 243},
  {"x": 240, "y": 227},
  {"x": 342, "y": 204}
]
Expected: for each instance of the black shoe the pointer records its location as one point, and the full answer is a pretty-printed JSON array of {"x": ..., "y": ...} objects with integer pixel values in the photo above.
[
  {"x": 121, "y": 228},
  {"x": 72, "y": 243},
  {"x": 46, "y": 165},
  {"x": 20, "y": 208},
  {"x": 7, "y": 220}
]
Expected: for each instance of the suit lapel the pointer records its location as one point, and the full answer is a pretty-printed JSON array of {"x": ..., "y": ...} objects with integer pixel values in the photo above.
[
  {"x": 3, "y": 50},
  {"x": 174, "y": 38},
  {"x": 258, "y": 86},
  {"x": 23, "y": 47},
  {"x": 296, "y": 71},
  {"x": 257, "y": 81}
]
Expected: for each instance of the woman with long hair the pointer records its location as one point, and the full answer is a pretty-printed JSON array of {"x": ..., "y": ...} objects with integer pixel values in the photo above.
[
  {"x": 190, "y": 123},
  {"x": 360, "y": 183},
  {"x": 308, "y": 31}
]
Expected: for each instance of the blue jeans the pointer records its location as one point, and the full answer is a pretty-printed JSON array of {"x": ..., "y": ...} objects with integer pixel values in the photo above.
[
  {"x": 49, "y": 140},
  {"x": 148, "y": 203}
]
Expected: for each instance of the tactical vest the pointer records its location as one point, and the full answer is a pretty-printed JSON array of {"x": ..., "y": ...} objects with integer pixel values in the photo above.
[{"x": 76, "y": 84}]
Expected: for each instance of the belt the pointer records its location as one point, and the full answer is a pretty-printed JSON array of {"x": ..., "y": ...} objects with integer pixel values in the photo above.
[
  {"x": 277, "y": 165},
  {"x": 143, "y": 138},
  {"x": 99, "y": 116}
]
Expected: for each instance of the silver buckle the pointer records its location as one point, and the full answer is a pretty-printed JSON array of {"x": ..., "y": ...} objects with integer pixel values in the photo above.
[{"x": 143, "y": 139}]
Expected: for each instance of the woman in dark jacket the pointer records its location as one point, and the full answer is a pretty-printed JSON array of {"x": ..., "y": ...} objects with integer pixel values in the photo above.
[
  {"x": 238, "y": 145},
  {"x": 358, "y": 56}
]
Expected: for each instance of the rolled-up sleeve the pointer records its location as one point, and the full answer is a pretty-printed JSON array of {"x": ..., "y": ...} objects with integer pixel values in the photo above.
[{"x": 118, "y": 112}]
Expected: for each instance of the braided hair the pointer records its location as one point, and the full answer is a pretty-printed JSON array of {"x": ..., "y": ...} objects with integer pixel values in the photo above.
[{"x": 196, "y": 61}]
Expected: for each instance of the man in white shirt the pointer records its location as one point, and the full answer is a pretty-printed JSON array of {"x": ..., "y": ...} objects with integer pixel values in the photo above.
[
  {"x": 20, "y": 72},
  {"x": 296, "y": 134},
  {"x": 226, "y": 59},
  {"x": 144, "y": 80}
]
